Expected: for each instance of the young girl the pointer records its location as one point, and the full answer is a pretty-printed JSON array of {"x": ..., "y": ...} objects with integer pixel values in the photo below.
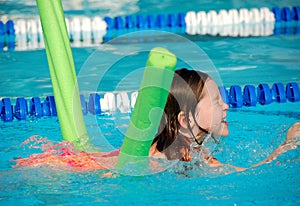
[{"x": 195, "y": 111}]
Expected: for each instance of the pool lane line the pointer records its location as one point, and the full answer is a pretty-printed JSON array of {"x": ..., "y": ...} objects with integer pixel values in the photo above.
[
  {"x": 63, "y": 75},
  {"x": 149, "y": 107},
  {"x": 235, "y": 96},
  {"x": 90, "y": 31}
]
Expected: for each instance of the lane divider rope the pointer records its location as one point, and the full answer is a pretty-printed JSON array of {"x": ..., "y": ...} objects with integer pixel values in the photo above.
[
  {"x": 124, "y": 101},
  {"x": 26, "y": 34}
]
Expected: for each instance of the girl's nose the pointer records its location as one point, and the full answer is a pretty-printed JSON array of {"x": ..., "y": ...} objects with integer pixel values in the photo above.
[{"x": 225, "y": 106}]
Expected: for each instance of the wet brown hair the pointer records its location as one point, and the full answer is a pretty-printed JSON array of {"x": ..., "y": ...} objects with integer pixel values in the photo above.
[{"x": 184, "y": 95}]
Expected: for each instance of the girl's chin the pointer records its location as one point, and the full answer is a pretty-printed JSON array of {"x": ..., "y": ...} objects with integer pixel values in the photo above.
[{"x": 223, "y": 132}]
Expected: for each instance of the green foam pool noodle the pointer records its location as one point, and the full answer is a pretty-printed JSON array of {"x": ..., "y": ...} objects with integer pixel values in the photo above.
[
  {"x": 149, "y": 106},
  {"x": 63, "y": 74}
]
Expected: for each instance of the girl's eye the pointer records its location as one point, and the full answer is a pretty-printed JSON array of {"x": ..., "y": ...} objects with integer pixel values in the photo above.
[{"x": 217, "y": 100}]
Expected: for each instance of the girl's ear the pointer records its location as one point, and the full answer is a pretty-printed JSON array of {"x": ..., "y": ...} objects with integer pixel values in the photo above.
[{"x": 182, "y": 120}]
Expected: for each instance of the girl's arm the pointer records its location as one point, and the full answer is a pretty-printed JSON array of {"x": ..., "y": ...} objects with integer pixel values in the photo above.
[
  {"x": 213, "y": 162},
  {"x": 290, "y": 143}
]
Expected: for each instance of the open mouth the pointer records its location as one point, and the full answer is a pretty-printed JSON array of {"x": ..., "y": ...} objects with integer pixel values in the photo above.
[{"x": 224, "y": 121}]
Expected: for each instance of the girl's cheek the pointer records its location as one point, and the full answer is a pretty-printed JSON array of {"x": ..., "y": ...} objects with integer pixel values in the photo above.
[
  {"x": 217, "y": 113},
  {"x": 205, "y": 120}
]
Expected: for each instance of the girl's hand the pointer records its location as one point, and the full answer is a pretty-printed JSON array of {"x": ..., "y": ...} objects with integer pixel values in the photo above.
[
  {"x": 289, "y": 144},
  {"x": 293, "y": 132}
]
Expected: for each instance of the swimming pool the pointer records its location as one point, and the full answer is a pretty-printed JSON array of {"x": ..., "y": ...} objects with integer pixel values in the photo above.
[{"x": 255, "y": 131}]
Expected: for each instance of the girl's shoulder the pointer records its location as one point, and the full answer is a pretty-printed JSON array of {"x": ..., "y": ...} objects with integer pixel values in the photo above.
[{"x": 155, "y": 153}]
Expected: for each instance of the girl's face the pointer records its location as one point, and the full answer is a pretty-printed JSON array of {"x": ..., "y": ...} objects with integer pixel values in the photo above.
[{"x": 210, "y": 112}]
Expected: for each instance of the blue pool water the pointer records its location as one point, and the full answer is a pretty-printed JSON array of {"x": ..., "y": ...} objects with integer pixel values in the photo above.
[{"x": 254, "y": 131}]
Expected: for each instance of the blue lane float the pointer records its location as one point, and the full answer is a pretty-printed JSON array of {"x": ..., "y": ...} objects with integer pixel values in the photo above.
[
  {"x": 292, "y": 92},
  {"x": 35, "y": 107},
  {"x": 235, "y": 96},
  {"x": 278, "y": 93},
  {"x": 2, "y": 29},
  {"x": 94, "y": 104},
  {"x": 249, "y": 96},
  {"x": 6, "y": 110},
  {"x": 21, "y": 108},
  {"x": 10, "y": 30},
  {"x": 83, "y": 105},
  {"x": 286, "y": 14}
]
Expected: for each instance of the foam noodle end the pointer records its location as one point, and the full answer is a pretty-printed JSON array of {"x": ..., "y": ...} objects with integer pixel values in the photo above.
[{"x": 161, "y": 58}]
